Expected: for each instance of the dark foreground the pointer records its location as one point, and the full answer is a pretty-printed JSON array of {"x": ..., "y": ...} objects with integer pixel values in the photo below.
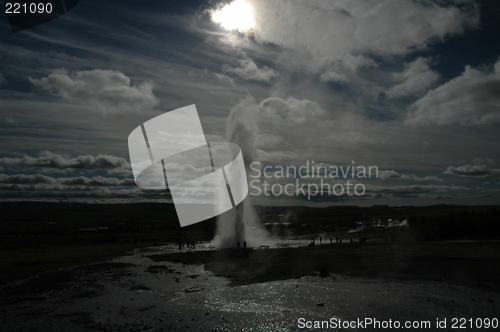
[
  {"x": 261, "y": 290},
  {"x": 474, "y": 264}
]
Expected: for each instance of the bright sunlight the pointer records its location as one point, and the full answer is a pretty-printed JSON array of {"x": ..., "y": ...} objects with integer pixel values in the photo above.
[{"x": 238, "y": 15}]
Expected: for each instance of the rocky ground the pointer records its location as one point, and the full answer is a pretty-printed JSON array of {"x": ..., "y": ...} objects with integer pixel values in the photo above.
[{"x": 136, "y": 293}]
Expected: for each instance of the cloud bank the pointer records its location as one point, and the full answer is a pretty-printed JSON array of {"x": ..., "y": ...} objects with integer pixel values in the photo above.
[
  {"x": 248, "y": 70},
  {"x": 104, "y": 91},
  {"x": 49, "y": 160},
  {"x": 417, "y": 77},
  {"x": 473, "y": 98},
  {"x": 473, "y": 170},
  {"x": 291, "y": 110},
  {"x": 96, "y": 181},
  {"x": 339, "y": 35},
  {"x": 392, "y": 174}
]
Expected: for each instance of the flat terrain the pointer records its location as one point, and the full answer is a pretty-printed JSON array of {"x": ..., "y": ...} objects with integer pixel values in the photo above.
[
  {"x": 163, "y": 289},
  {"x": 81, "y": 267},
  {"x": 475, "y": 264}
]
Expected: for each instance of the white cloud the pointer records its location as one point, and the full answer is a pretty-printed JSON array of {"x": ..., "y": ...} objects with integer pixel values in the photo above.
[
  {"x": 388, "y": 174},
  {"x": 248, "y": 70},
  {"x": 263, "y": 130},
  {"x": 392, "y": 174},
  {"x": 332, "y": 76},
  {"x": 419, "y": 178},
  {"x": 225, "y": 79},
  {"x": 209, "y": 76},
  {"x": 473, "y": 170},
  {"x": 105, "y": 91},
  {"x": 57, "y": 192},
  {"x": 473, "y": 98},
  {"x": 291, "y": 110},
  {"x": 96, "y": 181},
  {"x": 49, "y": 160},
  {"x": 325, "y": 33},
  {"x": 416, "y": 78}
]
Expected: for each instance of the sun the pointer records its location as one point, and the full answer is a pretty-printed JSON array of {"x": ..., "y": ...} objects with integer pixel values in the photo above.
[{"x": 237, "y": 15}]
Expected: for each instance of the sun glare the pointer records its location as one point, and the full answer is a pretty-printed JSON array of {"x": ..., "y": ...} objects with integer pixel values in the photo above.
[{"x": 237, "y": 15}]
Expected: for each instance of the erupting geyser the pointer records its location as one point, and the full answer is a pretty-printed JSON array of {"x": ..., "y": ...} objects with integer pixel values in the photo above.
[
  {"x": 230, "y": 228},
  {"x": 238, "y": 225},
  {"x": 241, "y": 224}
]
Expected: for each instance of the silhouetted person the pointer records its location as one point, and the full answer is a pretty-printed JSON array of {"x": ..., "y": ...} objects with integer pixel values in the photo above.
[
  {"x": 245, "y": 244},
  {"x": 340, "y": 241},
  {"x": 320, "y": 240},
  {"x": 350, "y": 241},
  {"x": 337, "y": 239},
  {"x": 331, "y": 240}
]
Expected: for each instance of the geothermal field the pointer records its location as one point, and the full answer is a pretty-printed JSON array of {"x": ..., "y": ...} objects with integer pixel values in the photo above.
[{"x": 285, "y": 279}]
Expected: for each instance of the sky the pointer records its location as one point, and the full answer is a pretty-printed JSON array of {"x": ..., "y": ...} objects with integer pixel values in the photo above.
[{"x": 411, "y": 87}]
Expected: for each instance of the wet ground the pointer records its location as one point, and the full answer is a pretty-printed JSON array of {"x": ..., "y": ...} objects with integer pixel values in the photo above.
[{"x": 135, "y": 293}]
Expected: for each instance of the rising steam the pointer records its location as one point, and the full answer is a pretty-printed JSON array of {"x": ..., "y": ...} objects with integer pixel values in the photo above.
[{"x": 242, "y": 223}]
